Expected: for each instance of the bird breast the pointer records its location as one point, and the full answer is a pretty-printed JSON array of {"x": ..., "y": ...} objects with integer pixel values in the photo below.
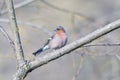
[{"x": 58, "y": 41}]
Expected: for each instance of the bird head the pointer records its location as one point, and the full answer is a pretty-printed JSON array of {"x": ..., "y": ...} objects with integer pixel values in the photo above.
[{"x": 60, "y": 28}]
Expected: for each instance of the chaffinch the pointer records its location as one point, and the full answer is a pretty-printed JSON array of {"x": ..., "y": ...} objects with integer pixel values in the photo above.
[{"x": 58, "y": 40}]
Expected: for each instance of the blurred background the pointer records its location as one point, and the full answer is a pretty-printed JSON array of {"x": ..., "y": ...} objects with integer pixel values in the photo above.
[{"x": 38, "y": 18}]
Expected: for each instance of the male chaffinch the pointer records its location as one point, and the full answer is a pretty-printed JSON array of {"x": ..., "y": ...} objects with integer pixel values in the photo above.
[{"x": 58, "y": 40}]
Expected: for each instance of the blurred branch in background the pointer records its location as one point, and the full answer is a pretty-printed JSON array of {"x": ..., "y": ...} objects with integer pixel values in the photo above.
[
  {"x": 2, "y": 7},
  {"x": 68, "y": 11},
  {"x": 26, "y": 2},
  {"x": 5, "y": 34},
  {"x": 28, "y": 24},
  {"x": 79, "y": 68},
  {"x": 117, "y": 56}
]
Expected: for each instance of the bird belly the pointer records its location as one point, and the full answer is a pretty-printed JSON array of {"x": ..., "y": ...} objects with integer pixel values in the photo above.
[{"x": 55, "y": 43}]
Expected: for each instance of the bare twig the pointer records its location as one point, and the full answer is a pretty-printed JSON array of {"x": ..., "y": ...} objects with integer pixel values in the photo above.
[
  {"x": 104, "y": 44},
  {"x": 5, "y": 34},
  {"x": 19, "y": 51},
  {"x": 29, "y": 24},
  {"x": 17, "y": 6}
]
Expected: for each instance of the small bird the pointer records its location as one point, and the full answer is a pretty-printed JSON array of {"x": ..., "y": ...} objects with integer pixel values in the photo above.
[{"x": 58, "y": 40}]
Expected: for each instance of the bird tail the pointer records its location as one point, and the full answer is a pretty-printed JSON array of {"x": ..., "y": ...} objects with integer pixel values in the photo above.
[{"x": 40, "y": 50}]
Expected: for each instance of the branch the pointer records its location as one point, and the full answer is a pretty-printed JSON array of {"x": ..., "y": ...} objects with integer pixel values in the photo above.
[
  {"x": 17, "y": 42},
  {"x": 74, "y": 45},
  {"x": 17, "y": 6},
  {"x": 5, "y": 34},
  {"x": 28, "y": 24}
]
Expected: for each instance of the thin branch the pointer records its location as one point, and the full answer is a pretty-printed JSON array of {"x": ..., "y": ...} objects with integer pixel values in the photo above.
[
  {"x": 104, "y": 44},
  {"x": 26, "y": 2},
  {"x": 79, "y": 68},
  {"x": 17, "y": 42},
  {"x": 5, "y": 34},
  {"x": 29, "y": 24}
]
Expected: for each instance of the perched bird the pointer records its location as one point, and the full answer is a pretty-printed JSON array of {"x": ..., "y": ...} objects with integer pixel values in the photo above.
[{"x": 58, "y": 40}]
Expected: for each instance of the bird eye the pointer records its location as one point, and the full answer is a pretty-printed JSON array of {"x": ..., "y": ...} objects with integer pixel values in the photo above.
[{"x": 58, "y": 29}]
